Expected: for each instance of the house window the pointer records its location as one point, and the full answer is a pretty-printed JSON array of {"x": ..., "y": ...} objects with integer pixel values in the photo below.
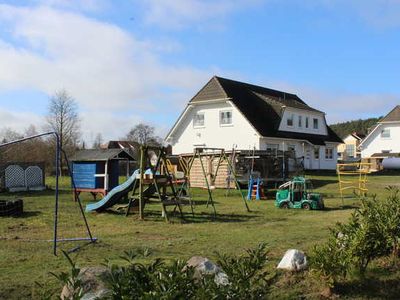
[
  {"x": 316, "y": 153},
  {"x": 300, "y": 121},
  {"x": 198, "y": 120},
  {"x": 225, "y": 118},
  {"x": 315, "y": 123},
  {"x": 350, "y": 150},
  {"x": 289, "y": 120},
  {"x": 385, "y": 133},
  {"x": 328, "y": 153},
  {"x": 307, "y": 119},
  {"x": 273, "y": 148}
]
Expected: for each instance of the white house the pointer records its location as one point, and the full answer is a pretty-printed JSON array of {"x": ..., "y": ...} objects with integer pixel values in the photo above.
[
  {"x": 350, "y": 148},
  {"x": 384, "y": 139},
  {"x": 225, "y": 113}
]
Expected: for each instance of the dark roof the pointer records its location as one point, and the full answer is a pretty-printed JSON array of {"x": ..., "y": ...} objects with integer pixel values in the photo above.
[
  {"x": 393, "y": 116},
  {"x": 262, "y": 107},
  {"x": 101, "y": 155}
]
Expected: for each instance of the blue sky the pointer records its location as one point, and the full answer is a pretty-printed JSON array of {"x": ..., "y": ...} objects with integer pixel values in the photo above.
[{"x": 129, "y": 61}]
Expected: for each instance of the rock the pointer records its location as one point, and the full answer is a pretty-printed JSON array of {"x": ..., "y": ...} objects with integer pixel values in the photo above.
[
  {"x": 93, "y": 287},
  {"x": 293, "y": 260},
  {"x": 204, "y": 266}
]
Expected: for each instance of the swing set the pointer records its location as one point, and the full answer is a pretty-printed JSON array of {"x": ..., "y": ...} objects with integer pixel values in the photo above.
[
  {"x": 59, "y": 151},
  {"x": 210, "y": 177}
]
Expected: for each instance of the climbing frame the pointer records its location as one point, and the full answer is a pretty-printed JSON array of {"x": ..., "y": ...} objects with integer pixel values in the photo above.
[{"x": 353, "y": 176}]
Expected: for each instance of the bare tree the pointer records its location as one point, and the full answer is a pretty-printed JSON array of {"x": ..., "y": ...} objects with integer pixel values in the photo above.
[
  {"x": 7, "y": 135},
  {"x": 98, "y": 140},
  {"x": 63, "y": 118},
  {"x": 143, "y": 134},
  {"x": 29, "y": 151}
]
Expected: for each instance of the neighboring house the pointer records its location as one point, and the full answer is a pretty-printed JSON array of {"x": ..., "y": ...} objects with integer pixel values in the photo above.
[
  {"x": 350, "y": 148},
  {"x": 383, "y": 140},
  {"x": 225, "y": 113}
]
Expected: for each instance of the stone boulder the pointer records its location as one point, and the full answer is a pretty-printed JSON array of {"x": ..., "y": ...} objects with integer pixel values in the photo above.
[
  {"x": 93, "y": 287},
  {"x": 204, "y": 266},
  {"x": 293, "y": 260}
]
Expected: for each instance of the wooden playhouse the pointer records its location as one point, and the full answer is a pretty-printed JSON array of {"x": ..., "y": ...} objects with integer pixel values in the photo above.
[{"x": 97, "y": 171}]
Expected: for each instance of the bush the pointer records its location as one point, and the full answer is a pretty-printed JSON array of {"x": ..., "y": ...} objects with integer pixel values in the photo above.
[
  {"x": 247, "y": 275},
  {"x": 248, "y": 278},
  {"x": 373, "y": 231}
]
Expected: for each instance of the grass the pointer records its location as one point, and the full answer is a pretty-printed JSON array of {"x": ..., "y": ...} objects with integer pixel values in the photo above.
[{"x": 26, "y": 257}]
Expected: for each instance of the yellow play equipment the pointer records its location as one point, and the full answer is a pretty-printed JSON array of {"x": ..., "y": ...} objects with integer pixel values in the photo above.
[{"x": 353, "y": 176}]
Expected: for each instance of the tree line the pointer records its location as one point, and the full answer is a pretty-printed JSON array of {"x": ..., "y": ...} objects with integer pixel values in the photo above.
[
  {"x": 360, "y": 126},
  {"x": 62, "y": 117}
]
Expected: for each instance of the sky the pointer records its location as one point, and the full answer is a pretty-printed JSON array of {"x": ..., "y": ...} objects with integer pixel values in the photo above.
[{"x": 131, "y": 61}]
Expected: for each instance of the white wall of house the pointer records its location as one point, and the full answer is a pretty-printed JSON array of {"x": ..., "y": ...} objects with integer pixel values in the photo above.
[
  {"x": 187, "y": 136},
  {"x": 299, "y": 121},
  {"x": 376, "y": 142}
]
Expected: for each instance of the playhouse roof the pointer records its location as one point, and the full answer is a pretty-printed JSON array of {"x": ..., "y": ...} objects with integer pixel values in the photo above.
[{"x": 101, "y": 155}]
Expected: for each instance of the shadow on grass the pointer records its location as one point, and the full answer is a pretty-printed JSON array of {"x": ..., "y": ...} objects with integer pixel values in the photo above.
[
  {"x": 188, "y": 217},
  {"x": 29, "y": 214},
  {"x": 24, "y": 215},
  {"x": 205, "y": 217},
  {"x": 48, "y": 192},
  {"x": 370, "y": 288},
  {"x": 345, "y": 207},
  {"x": 318, "y": 183}
]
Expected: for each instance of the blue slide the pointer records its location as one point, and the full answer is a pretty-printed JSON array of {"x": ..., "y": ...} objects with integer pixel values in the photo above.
[{"x": 114, "y": 195}]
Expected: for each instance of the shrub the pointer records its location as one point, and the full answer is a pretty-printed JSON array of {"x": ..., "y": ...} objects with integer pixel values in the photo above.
[
  {"x": 247, "y": 275},
  {"x": 329, "y": 260},
  {"x": 372, "y": 231},
  {"x": 159, "y": 280}
]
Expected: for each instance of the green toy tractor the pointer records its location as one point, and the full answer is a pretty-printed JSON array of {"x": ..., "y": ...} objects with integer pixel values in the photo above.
[{"x": 297, "y": 193}]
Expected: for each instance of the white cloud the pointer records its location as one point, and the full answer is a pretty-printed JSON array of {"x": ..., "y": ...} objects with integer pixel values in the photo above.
[
  {"x": 110, "y": 125},
  {"x": 105, "y": 68},
  {"x": 18, "y": 120},
  {"x": 81, "y": 5},
  {"x": 176, "y": 14}
]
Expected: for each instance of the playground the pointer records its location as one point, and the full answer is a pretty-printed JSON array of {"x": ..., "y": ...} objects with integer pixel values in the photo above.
[{"x": 27, "y": 240}]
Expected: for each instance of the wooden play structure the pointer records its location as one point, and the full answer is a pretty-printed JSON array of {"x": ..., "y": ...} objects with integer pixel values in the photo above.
[
  {"x": 353, "y": 176},
  {"x": 215, "y": 158},
  {"x": 59, "y": 152},
  {"x": 96, "y": 171},
  {"x": 272, "y": 168},
  {"x": 154, "y": 181}
]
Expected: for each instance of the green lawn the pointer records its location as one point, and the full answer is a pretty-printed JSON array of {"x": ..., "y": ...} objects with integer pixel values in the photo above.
[{"x": 25, "y": 257}]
